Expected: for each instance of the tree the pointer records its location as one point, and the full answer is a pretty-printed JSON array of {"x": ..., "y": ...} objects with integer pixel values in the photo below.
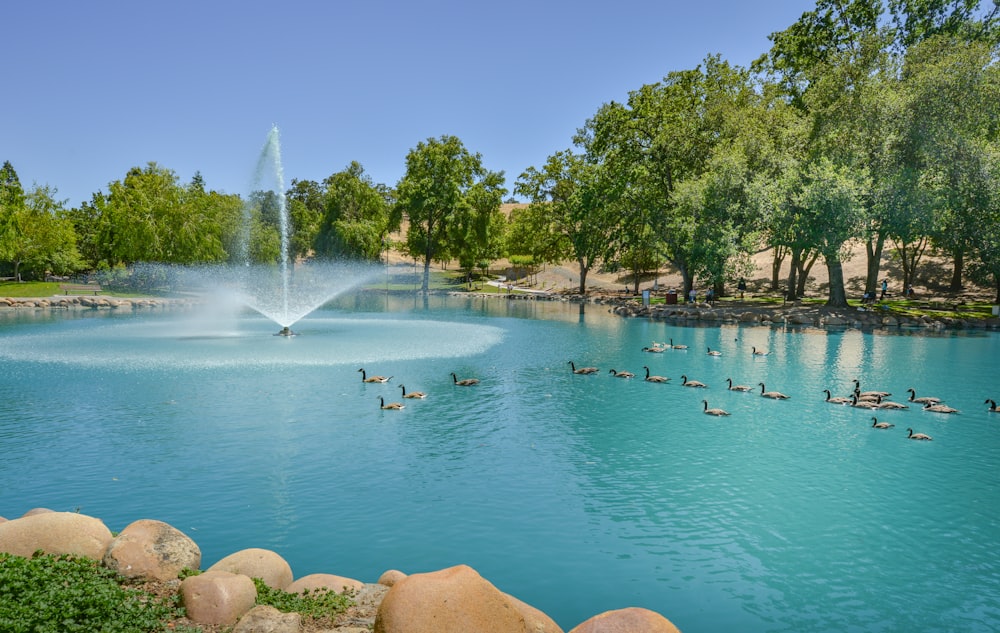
[
  {"x": 439, "y": 174},
  {"x": 476, "y": 233},
  {"x": 355, "y": 216},
  {"x": 43, "y": 236},
  {"x": 570, "y": 198},
  {"x": 11, "y": 207}
]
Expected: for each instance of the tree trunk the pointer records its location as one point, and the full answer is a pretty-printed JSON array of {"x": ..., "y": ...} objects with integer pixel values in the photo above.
[
  {"x": 805, "y": 265},
  {"x": 779, "y": 257},
  {"x": 997, "y": 299},
  {"x": 956, "y": 276},
  {"x": 426, "y": 283},
  {"x": 874, "y": 250},
  {"x": 837, "y": 298},
  {"x": 793, "y": 272},
  {"x": 584, "y": 269}
]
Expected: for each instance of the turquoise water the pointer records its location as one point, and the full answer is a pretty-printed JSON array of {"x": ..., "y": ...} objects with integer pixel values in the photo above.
[{"x": 577, "y": 494}]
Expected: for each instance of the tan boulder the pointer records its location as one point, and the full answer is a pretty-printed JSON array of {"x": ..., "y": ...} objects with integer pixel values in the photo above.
[
  {"x": 336, "y": 584},
  {"x": 390, "y": 577},
  {"x": 630, "y": 620},
  {"x": 152, "y": 550},
  {"x": 258, "y": 563},
  {"x": 537, "y": 621},
  {"x": 32, "y": 512},
  {"x": 217, "y": 597},
  {"x": 453, "y": 600},
  {"x": 267, "y": 619},
  {"x": 55, "y": 533}
]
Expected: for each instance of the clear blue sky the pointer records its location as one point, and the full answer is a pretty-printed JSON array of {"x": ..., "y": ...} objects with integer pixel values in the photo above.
[{"x": 91, "y": 89}]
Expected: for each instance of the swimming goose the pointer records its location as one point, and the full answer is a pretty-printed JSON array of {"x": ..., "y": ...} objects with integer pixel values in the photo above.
[
  {"x": 866, "y": 397},
  {"x": 863, "y": 404},
  {"x": 857, "y": 387},
  {"x": 776, "y": 395},
  {"x": 692, "y": 383},
  {"x": 918, "y": 436},
  {"x": 366, "y": 378},
  {"x": 888, "y": 404},
  {"x": 939, "y": 408},
  {"x": 649, "y": 378},
  {"x": 712, "y": 352},
  {"x": 655, "y": 349},
  {"x": 583, "y": 370},
  {"x": 677, "y": 346},
  {"x": 717, "y": 412},
  {"x": 757, "y": 352},
  {"x": 923, "y": 399},
  {"x": 621, "y": 374},
  {"x": 836, "y": 399},
  {"x": 391, "y": 406},
  {"x": 733, "y": 387},
  {"x": 881, "y": 425},
  {"x": 993, "y": 406},
  {"x": 412, "y": 394},
  {"x": 465, "y": 382}
]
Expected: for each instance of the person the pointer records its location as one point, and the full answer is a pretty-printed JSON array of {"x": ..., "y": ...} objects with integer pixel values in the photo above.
[
  {"x": 709, "y": 295},
  {"x": 742, "y": 286},
  {"x": 909, "y": 291},
  {"x": 692, "y": 295},
  {"x": 885, "y": 286}
]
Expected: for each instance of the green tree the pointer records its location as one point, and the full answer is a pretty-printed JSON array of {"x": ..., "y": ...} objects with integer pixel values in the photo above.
[
  {"x": 477, "y": 230},
  {"x": 439, "y": 175},
  {"x": 44, "y": 239},
  {"x": 355, "y": 216}
]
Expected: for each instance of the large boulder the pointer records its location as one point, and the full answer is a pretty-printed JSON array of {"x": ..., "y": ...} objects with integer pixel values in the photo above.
[
  {"x": 630, "y": 620},
  {"x": 390, "y": 577},
  {"x": 453, "y": 600},
  {"x": 258, "y": 563},
  {"x": 336, "y": 584},
  {"x": 152, "y": 550},
  {"x": 55, "y": 533},
  {"x": 217, "y": 597}
]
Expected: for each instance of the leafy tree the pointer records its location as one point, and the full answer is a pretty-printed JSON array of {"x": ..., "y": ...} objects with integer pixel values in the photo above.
[
  {"x": 355, "y": 216},
  {"x": 439, "y": 175},
  {"x": 477, "y": 230},
  {"x": 570, "y": 205},
  {"x": 11, "y": 206},
  {"x": 43, "y": 237}
]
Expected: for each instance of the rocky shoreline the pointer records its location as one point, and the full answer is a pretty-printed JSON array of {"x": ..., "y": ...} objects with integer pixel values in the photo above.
[{"x": 223, "y": 596}]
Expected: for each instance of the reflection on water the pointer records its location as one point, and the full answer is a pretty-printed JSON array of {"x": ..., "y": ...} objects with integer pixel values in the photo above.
[{"x": 577, "y": 494}]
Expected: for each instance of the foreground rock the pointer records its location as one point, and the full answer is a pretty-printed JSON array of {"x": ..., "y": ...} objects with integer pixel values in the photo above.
[
  {"x": 258, "y": 563},
  {"x": 152, "y": 550},
  {"x": 55, "y": 533},
  {"x": 456, "y": 600},
  {"x": 217, "y": 597},
  {"x": 631, "y": 620}
]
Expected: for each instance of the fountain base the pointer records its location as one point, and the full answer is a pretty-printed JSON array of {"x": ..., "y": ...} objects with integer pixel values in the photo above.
[{"x": 286, "y": 331}]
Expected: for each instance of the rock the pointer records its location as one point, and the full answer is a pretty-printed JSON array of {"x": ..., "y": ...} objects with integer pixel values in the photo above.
[
  {"x": 390, "y": 577},
  {"x": 55, "y": 533},
  {"x": 453, "y": 600},
  {"x": 537, "y": 621},
  {"x": 152, "y": 550},
  {"x": 630, "y": 620},
  {"x": 34, "y": 511},
  {"x": 258, "y": 563},
  {"x": 217, "y": 597},
  {"x": 336, "y": 584},
  {"x": 267, "y": 619}
]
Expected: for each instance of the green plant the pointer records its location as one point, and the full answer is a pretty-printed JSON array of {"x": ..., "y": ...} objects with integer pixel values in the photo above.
[
  {"x": 321, "y": 604},
  {"x": 66, "y": 594}
]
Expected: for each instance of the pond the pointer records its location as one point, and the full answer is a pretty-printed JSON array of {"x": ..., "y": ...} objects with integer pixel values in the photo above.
[{"x": 575, "y": 493}]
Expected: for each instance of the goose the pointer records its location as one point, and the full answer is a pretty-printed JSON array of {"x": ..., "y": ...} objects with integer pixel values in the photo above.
[
  {"x": 716, "y": 412},
  {"x": 621, "y": 374},
  {"x": 412, "y": 394},
  {"x": 692, "y": 383},
  {"x": 465, "y": 382},
  {"x": 394, "y": 406},
  {"x": 924, "y": 399},
  {"x": 881, "y": 425},
  {"x": 712, "y": 352},
  {"x": 887, "y": 404},
  {"x": 776, "y": 395},
  {"x": 757, "y": 352},
  {"x": 993, "y": 406},
  {"x": 655, "y": 349},
  {"x": 733, "y": 387},
  {"x": 863, "y": 404},
  {"x": 366, "y": 378},
  {"x": 857, "y": 387},
  {"x": 677, "y": 346},
  {"x": 917, "y": 436},
  {"x": 939, "y": 408},
  {"x": 866, "y": 397},
  {"x": 836, "y": 399},
  {"x": 583, "y": 370},
  {"x": 649, "y": 378}
]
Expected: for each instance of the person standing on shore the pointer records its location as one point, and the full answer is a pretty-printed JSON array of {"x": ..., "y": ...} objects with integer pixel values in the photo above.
[{"x": 885, "y": 286}]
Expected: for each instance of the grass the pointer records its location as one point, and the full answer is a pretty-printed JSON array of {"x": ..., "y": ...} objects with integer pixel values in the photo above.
[{"x": 70, "y": 594}]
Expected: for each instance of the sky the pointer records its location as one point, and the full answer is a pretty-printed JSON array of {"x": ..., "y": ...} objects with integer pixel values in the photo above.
[{"x": 92, "y": 89}]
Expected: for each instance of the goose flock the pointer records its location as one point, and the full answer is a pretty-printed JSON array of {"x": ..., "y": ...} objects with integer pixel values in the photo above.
[{"x": 872, "y": 399}]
